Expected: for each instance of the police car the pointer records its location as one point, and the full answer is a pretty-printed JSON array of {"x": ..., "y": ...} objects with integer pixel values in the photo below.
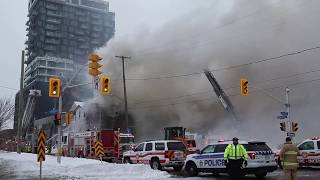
[
  {"x": 159, "y": 154},
  {"x": 310, "y": 152},
  {"x": 210, "y": 159}
]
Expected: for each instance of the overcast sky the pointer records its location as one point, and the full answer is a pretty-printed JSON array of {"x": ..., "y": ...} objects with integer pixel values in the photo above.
[{"x": 130, "y": 15}]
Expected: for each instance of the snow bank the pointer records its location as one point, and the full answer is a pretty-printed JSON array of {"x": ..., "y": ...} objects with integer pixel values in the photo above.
[{"x": 25, "y": 166}]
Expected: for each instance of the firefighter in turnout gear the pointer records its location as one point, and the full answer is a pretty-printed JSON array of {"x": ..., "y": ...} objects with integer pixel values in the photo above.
[
  {"x": 289, "y": 159},
  {"x": 235, "y": 155}
]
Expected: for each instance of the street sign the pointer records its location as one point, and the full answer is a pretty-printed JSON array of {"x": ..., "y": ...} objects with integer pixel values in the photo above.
[
  {"x": 284, "y": 113},
  {"x": 98, "y": 148},
  {"x": 282, "y": 117},
  {"x": 41, "y": 146},
  {"x": 291, "y": 134}
]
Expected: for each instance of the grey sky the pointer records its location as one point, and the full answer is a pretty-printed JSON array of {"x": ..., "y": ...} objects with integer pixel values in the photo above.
[{"x": 130, "y": 15}]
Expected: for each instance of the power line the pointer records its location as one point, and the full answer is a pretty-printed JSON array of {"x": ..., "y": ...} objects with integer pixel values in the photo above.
[
  {"x": 229, "y": 67},
  {"x": 232, "y": 87},
  {"x": 231, "y": 95}
]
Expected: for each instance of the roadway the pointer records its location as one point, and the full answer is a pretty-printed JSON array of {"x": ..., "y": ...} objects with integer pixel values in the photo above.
[{"x": 303, "y": 174}]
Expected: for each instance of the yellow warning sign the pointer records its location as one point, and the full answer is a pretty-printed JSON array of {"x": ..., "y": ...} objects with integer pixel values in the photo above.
[
  {"x": 41, "y": 146},
  {"x": 99, "y": 151}
]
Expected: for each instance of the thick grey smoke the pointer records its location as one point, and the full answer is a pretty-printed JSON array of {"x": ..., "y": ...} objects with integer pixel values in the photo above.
[{"x": 243, "y": 31}]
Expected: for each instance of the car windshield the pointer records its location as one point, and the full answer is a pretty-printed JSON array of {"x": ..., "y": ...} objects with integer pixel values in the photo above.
[
  {"x": 124, "y": 140},
  {"x": 176, "y": 146}
]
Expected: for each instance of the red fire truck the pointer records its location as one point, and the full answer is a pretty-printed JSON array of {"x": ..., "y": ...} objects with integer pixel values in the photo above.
[{"x": 82, "y": 144}]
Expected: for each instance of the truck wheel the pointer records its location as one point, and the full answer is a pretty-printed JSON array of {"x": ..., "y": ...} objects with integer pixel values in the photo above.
[
  {"x": 261, "y": 175},
  {"x": 155, "y": 164},
  {"x": 177, "y": 168},
  {"x": 127, "y": 160},
  {"x": 191, "y": 169}
]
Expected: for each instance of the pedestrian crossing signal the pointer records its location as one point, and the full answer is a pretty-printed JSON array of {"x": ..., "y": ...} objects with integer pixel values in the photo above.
[
  {"x": 295, "y": 127},
  {"x": 283, "y": 126},
  {"x": 244, "y": 89},
  {"x": 54, "y": 87}
]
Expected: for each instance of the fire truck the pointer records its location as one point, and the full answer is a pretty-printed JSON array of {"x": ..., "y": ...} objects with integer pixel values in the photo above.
[
  {"x": 83, "y": 144},
  {"x": 179, "y": 133}
]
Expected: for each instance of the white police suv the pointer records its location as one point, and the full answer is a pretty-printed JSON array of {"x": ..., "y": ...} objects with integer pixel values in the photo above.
[{"x": 210, "y": 159}]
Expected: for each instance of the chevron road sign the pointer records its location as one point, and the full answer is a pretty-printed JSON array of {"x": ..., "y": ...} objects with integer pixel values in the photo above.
[
  {"x": 41, "y": 146},
  {"x": 99, "y": 151},
  {"x": 41, "y": 149}
]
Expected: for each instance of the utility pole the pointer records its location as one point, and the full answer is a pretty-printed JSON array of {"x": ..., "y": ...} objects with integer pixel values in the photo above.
[
  {"x": 288, "y": 109},
  {"x": 125, "y": 91},
  {"x": 20, "y": 113}
]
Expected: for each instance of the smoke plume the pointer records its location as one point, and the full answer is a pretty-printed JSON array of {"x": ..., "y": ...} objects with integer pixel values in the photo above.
[{"x": 210, "y": 38}]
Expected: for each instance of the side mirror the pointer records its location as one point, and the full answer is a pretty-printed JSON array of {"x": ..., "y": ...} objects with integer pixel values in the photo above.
[{"x": 198, "y": 151}]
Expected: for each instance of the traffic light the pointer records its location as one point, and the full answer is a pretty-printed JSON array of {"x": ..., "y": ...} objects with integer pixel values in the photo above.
[
  {"x": 94, "y": 65},
  {"x": 105, "y": 85},
  {"x": 244, "y": 89},
  {"x": 295, "y": 127},
  {"x": 54, "y": 87},
  {"x": 68, "y": 118},
  {"x": 283, "y": 126},
  {"x": 57, "y": 119}
]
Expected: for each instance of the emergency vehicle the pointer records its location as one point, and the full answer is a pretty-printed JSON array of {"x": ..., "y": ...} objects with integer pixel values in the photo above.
[
  {"x": 82, "y": 144},
  {"x": 211, "y": 159},
  {"x": 310, "y": 152},
  {"x": 179, "y": 133},
  {"x": 158, "y": 154}
]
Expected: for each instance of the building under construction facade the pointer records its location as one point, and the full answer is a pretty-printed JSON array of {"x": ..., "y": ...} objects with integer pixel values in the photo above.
[{"x": 60, "y": 35}]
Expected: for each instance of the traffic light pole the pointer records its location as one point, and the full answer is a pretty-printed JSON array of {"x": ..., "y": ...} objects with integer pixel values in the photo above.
[
  {"x": 59, "y": 131},
  {"x": 60, "y": 110},
  {"x": 125, "y": 91}
]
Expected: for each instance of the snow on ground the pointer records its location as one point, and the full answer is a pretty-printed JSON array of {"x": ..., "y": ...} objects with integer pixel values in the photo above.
[{"x": 25, "y": 166}]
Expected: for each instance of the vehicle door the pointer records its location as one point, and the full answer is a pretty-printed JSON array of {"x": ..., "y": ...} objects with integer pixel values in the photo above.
[
  {"x": 138, "y": 151},
  {"x": 308, "y": 153},
  {"x": 206, "y": 158},
  {"x": 159, "y": 149},
  {"x": 146, "y": 157},
  {"x": 219, "y": 155}
]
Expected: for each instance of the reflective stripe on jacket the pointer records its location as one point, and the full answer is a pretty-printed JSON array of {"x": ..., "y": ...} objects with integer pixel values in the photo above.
[
  {"x": 235, "y": 152},
  {"x": 288, "y": 156}
]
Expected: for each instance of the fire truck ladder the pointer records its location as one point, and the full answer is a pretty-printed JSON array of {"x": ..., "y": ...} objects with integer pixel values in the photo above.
[
  {"x": 224, "y": 99},
  {"x": 28, "y": 112}
]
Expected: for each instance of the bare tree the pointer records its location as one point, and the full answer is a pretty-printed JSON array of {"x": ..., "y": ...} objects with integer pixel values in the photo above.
[{"x": 6, "y": 112}]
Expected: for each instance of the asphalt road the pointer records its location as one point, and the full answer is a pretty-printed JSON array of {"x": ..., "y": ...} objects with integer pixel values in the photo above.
[
  {"x": 7, "y": 172},
  {"x": 303, "y": 174}
]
